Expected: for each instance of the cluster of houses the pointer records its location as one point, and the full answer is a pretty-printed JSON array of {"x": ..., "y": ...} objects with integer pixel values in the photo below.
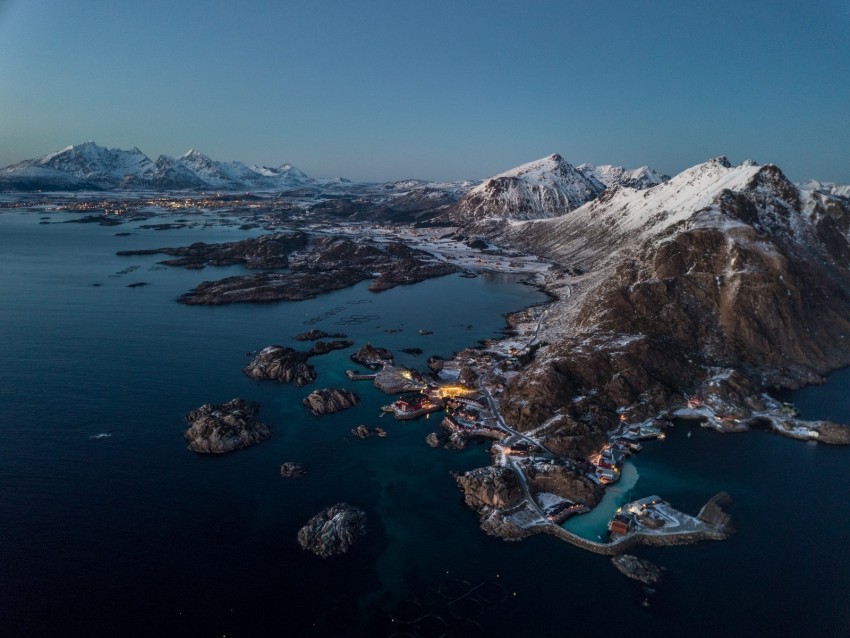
[
  {"x": 608, "y": 464},
  {"x": 639, "y": 513},
  {"x": 562, "y": 511}
]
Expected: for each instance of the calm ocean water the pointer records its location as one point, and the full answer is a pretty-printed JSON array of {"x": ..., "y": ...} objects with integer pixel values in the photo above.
[{"x": 131, "y": 534}]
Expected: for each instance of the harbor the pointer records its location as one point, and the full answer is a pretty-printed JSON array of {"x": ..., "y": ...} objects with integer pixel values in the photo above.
[{"x": 471, "y": 413}]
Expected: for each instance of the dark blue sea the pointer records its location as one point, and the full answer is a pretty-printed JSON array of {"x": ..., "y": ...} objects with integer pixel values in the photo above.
[{"x": 131, "y": 534}]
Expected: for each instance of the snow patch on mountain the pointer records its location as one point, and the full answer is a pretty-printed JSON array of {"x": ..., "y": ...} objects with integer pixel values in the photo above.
[
  {"x": 543, "y": 188},
  {"x": 608, "y": 175}
]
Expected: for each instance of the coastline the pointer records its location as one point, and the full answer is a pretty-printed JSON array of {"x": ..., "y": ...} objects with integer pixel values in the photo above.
[
  {"x": 251, "y": 509},
  {"x": 525, "y": 326}
]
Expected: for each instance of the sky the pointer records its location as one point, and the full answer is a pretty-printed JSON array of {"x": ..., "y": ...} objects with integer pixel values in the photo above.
[{"x": 382, "y": 90}]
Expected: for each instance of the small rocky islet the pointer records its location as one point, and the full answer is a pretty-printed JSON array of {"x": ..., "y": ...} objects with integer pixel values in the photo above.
[
  {"x": 639, "y": 569},
  {"x": 225, "y": 427},
  {"x": 372, "y": 357},
  {"x": 364, "y": 432},
  {"x": 292, "y": 470},
  {"x": 280, "y": 363},
  {"x": 333, "y": 530},
  {"x": 330, "y": 400},
  {"x": 315, "y": 334},
  {"x": 323, "y": 347}
]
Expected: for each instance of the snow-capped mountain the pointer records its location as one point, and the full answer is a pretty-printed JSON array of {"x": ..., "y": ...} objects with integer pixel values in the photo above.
[
  {"x": 626, "y": 215},
  {"x": 82, "y": 166},
  {"x": 828, "y": 188},
  {"x": 89, "y": 166},
  {"x": 544, "y": 188},
  {"x": 720, "y": 268},
  {"x": 607, "y": 175}
]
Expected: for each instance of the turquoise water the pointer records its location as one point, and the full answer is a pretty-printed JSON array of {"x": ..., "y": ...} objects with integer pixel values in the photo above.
[
  {"x": 594, "y": 524},
  {"x": 133, "y": 535}
]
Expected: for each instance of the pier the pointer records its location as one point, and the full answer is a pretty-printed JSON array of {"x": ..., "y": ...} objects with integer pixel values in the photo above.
[
  {"x": 712, "y": 523},
  {"x": 356, "y": 376}
]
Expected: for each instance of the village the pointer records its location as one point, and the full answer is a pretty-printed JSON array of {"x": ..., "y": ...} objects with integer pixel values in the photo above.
[{"x": 462, "y": 392}]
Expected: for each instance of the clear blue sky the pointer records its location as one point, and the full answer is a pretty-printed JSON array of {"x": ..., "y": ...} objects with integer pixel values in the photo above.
[{"x": 382, "y": 90}]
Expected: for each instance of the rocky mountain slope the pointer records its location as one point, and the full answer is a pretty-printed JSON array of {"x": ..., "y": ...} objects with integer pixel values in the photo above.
[
  {"x": 723, "y": 279},
  {"x": 91, "y": 167}
]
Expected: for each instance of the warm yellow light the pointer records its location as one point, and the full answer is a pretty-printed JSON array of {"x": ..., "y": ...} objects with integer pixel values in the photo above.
[{"x": 450, "y": 391}]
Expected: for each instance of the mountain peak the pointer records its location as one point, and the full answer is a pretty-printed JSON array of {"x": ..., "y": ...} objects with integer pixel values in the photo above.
[
  {"x": 193, "y": 153},
  {"x": 546, "y": 187}
]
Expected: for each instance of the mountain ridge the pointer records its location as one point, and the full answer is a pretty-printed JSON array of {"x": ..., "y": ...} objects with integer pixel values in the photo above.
[
  {"x": 723, "y": 281},
  {"x": 88, "y": 166}
]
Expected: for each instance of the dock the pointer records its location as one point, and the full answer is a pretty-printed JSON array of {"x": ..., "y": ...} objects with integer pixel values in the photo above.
[
  {"x": 357, "y": 376},
  {"x": 407, "y": 415}
]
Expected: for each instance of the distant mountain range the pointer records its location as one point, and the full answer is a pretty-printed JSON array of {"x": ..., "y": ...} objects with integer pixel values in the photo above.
[
  {"x": 91, "y": 167},
  {"x": 545, "y": 188}
]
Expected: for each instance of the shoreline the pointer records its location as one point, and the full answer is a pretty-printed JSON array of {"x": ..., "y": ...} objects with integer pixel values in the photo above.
[{"x": 519, "y": 326}]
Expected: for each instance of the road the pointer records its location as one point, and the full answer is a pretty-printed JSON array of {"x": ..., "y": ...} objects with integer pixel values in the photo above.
[{"x": 491, "y": 402}]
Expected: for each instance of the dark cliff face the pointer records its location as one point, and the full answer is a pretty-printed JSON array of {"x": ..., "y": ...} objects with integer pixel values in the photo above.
[{"x": 757, "y": 282}]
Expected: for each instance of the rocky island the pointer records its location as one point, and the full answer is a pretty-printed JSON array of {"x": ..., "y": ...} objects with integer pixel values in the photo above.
[
  {"x": 323, "y": 347},
  {"x": 264, "y": 252},
  {"x": 292, "y": 470},
  {"x": 315, "y": 333},
  {"x": 316, "y": 264},
  {"x": 219, "y": 428},
  {"x": 279, "y": 363},
  {"x": 333, "y": 530},
  {"x": 639, "y": 569},
  {"x": 372, "y": 357},
  {"x": 330, "y": 400}
]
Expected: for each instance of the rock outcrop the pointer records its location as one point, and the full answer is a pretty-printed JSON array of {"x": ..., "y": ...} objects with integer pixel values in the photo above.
[
  {"x": 392, "y": 380},
  {"x": 283, "y": 364},
  {"x": 315, "y": 333},
  {"x": 323, "y": 347},
  {"x": 490, "y": 487},
  {"x": 557, "y": 479},
  {"x": 333, "y": 530},
  {"x": 495, "y": 523},
  {"x": 219, "y": 428},
  {"x": 292, "y": 470},
  {"x": 364, "y": 432},
  {"x": 373, "y": 358},
  {"x": 330, "y": 400},
  {"x": 639, "y": 569}
]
